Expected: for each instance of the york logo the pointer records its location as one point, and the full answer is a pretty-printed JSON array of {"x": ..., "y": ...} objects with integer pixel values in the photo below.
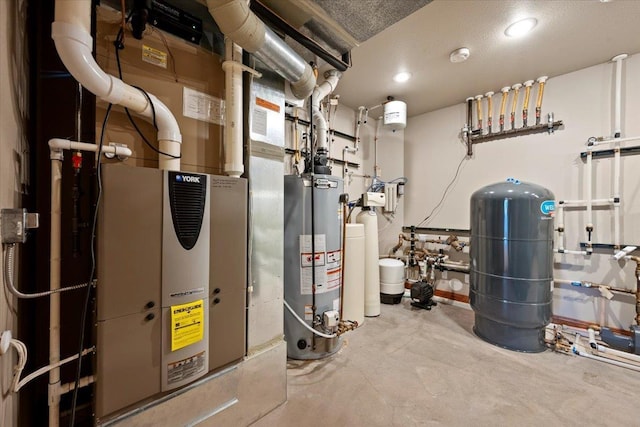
[
  {"x": 548, "y": 207},
  {"x": 188, "y": 178}
]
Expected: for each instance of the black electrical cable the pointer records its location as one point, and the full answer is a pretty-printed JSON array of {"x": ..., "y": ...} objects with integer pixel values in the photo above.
[
  {"x": 85, "y": 309},
  {"x": 446, "y": 190},
  {"x": 119, "y": 45}
]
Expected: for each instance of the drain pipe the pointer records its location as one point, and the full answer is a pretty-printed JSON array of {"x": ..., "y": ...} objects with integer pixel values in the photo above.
[
  {"x": 637, "y": 274},
  {"x": 233, "y": 165},
  {"x": 239, "y": 23},
  {"x": 328, "y": 86},
  {"x": 71, "y": 33}
]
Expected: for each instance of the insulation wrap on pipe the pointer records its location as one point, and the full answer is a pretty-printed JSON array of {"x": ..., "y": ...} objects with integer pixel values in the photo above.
[{"x": 236, "y": 21}]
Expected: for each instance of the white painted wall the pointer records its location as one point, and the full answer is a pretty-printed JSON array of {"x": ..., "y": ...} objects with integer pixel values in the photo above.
[
  {"x": 13, "y": 158},
  {"x": 584, "y": 101}
]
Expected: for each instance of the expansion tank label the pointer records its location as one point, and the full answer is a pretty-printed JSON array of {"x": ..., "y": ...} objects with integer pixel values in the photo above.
[
  {"x": 154, "y": 56},
  {"x": 187, "y": 324},
  {"x": 548, "y": 207}
]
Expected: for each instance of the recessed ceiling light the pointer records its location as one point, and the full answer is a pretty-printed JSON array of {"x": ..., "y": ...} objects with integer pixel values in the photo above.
[
  {"x": 520, "y": 28},
  {"x": 402, "y": 77}
]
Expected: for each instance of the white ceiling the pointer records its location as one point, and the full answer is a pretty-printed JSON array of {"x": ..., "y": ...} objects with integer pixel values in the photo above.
[{"x": 570, "y": 35}]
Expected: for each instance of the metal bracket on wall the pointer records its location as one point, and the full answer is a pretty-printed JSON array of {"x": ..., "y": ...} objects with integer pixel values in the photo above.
[
  {"x": 604, "y": 246},
  {"x": 428, "y": 230},
  {"x": 291, "y": 118},
  {"x": 529, "y": 130},
  {"x": 609, "y": 153},
  {"x": 338, "y": 161}
]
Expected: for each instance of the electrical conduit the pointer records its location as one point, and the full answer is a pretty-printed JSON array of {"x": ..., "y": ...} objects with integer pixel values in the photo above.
[
  {"x": 71, "y": 33},
  {"x": 237, "y": 22}
]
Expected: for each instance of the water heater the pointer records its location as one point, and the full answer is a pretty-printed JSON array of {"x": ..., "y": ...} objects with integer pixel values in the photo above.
[
  {"x": 304, "y": 262},
  {"x": 511, "y": 277}
]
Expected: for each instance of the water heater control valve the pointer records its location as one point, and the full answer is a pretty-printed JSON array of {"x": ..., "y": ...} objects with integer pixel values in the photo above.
[{"x": 331, "y": 318}]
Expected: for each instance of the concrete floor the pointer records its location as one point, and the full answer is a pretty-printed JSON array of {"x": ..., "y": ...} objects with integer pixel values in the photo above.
[{"x": 417, "y": 368}]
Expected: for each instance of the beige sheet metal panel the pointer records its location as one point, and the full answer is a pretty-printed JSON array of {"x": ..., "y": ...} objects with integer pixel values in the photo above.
[
  {"x": 128, "y": 360},
  {"x": 237, "y": 396},
  {"x": 129, "y": 243},
  {"x": 228, "y": 270},
  {"x": 128, "y": 290},
  {"x": 187, "y": 66}
]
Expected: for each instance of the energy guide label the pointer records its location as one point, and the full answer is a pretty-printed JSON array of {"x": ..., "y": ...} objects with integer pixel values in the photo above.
[{"x": 187, "y": 324}]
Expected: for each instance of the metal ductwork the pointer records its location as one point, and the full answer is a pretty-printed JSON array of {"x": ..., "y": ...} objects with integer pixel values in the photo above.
[{"x": 237, "y": 22}]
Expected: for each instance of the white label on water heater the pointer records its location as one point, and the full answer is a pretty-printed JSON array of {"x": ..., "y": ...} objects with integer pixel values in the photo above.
[{"x": 307, "y": 263}]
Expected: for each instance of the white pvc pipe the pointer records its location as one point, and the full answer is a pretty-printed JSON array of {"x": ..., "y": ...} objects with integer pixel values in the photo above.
[
  {"x": 48, "y": 368},
  {"x": 632, "y": 358},
  {"x": 54, "y": 300},
  {"x": 602, "y": 349},
  {"x": 589, "y": 193},
  {"x": 303, "y": 323},
  {"x": 618, "y": 95},
  {"x": 233, "y": 165},
  {"x": 615, "y": 140},
  {"x": 582, "y": 203},
  {"x": 616, "y": 196},
  {"x": 65, "y": 144},
  {"x": 604, "y": 359},
  {"x": 71, "y": 33},
  {"x": 565, "y": 251},
  {"x": 327, "y": 87}
]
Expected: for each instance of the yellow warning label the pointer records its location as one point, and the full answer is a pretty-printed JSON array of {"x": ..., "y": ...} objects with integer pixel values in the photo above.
[
  {"x": 154, "y": 56},
  {"x": 187, "y": 324}
]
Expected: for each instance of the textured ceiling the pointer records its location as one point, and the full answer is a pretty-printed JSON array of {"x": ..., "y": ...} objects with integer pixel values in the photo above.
[
  {"x": 570, "y": 35},
  {"x": 364, "y": 19}
]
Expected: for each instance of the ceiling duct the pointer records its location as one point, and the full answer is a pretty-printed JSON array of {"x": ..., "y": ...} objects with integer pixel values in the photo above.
[
  {"x": 241, "y": 25},
  {"x": 340, "y": 26}
]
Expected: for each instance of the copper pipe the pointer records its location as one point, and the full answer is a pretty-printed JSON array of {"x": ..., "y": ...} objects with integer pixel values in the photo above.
[
  {"x": 401, "y": 239},
  {"x": 342, "y": 256},
  {"x": 637, "y": 272}
]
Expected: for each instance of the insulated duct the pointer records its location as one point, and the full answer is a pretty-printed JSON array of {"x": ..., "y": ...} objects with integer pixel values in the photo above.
[
  {"x": 72, "y": 37},
  {"x": 236, "y": 21}
]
